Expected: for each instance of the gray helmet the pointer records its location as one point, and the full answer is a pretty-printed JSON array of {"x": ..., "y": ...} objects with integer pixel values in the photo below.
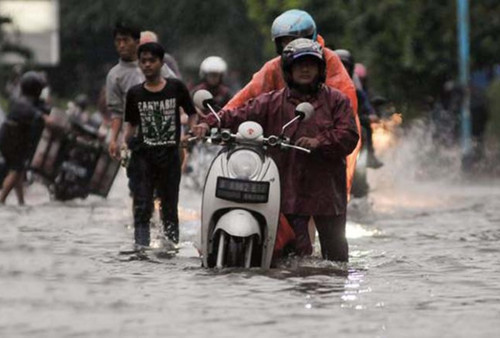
[
  {"x": 347, "y": 60},
  {"x": 300, "y": 48}
]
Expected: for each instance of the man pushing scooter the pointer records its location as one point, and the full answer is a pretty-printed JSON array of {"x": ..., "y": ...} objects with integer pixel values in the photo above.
[{"x": 313, "y": 185}]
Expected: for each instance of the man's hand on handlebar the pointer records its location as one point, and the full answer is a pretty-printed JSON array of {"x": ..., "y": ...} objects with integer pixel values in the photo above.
[{"x": 307, "y": 142}]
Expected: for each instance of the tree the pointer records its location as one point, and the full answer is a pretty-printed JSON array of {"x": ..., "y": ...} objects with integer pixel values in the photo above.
[
  {"x": 410, "y": 47},
  {"x": 190, "y": 30}
]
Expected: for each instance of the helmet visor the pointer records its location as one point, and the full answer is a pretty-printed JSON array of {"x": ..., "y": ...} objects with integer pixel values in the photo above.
[{"x": 307, "y": 53}]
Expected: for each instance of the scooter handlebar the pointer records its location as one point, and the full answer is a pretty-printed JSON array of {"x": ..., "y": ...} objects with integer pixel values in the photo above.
[
  {"x": 225, "y": 136},
  {"x": 285, "y": 145}
]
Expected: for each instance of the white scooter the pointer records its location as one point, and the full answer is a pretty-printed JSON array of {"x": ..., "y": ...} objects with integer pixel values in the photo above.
[{"x": 242, "y": 193}]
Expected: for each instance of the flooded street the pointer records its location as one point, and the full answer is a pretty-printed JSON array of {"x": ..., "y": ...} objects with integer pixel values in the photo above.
[
  {"x": 410, "y": 90},
  {"x": 423, "y": 263}
]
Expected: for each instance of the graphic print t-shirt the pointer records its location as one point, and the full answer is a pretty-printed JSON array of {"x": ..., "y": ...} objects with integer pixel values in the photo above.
[{"x": 157, "y": 113}]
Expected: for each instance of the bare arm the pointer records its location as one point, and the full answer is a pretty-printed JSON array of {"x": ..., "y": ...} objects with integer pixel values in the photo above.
[
  {"x": 114, "y": 103},
  {"x": 116, "y": 126},
  {"x": 192, "y": 120}
]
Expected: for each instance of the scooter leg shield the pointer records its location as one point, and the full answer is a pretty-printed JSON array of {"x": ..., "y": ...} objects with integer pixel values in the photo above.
[{"x": 239, "y": 223}]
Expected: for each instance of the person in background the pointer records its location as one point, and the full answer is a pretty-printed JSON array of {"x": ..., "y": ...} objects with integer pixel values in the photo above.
[
  {"x": 367, "y": 114},
  {"x": 153, "y": 132},
  {"x": 122, "y": 77},
  {"x": 149, "y": 36},
  {"x": 17, "y": 139},
  {"x": 361, "y": 76},
  {"x": 119, "y": 80},
  {"x": 212, "y": 72}
]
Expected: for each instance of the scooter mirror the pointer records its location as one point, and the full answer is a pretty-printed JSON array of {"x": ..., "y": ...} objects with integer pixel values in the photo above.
[
  {"x": 305, "y": 110},
  {"x": 201, "y": 97}
]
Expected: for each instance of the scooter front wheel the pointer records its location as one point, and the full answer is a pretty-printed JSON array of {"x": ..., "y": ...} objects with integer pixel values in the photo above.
[{"x": 234, "y": 251}]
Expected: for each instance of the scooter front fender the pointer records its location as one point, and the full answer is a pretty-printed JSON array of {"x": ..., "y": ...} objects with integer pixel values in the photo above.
[{"x": 238, "y": 223}]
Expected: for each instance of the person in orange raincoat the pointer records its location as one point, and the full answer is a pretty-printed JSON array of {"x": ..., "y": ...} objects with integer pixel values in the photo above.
[{"x": 291, "y": 25}]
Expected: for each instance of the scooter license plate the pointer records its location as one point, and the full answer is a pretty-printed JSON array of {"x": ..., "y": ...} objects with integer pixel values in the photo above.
[{"x": 242, "y": 191}]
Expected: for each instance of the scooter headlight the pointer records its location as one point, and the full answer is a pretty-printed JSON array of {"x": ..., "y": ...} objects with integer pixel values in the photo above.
[{"x": 244, "y": 164}]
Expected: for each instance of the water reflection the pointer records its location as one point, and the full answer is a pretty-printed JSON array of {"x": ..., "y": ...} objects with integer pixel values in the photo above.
[
  {"x": 353, "y": 288},
  {"x": 319, "y": 284}
]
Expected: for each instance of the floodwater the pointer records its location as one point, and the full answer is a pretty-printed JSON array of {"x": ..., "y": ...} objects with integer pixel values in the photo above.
[{"x": 424, "y": 262}]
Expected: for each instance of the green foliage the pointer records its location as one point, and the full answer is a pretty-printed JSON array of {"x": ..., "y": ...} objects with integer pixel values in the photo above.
[
  {"x": 189, "y": 30},
  {"x": 410, "y": 47},
  {"x": 264, "y": 12}
]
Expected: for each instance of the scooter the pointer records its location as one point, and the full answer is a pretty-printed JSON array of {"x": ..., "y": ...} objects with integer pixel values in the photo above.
[
  {"x": 79, "y": 158},
  {"x": 242, "y": 193}
]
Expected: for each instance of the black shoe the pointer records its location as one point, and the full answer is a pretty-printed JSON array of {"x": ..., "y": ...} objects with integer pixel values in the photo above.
[{"x": 373, "y": 162}]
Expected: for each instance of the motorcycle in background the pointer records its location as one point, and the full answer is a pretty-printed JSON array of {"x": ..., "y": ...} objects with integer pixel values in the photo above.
[{"x": 73, "y": 161}]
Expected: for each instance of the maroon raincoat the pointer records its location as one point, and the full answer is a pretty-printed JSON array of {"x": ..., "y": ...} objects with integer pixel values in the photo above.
[{"x": 312, "y": 184}]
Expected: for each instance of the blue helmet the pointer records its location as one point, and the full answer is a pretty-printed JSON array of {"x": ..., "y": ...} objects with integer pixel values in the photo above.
[{"x": 296, "y": 23}]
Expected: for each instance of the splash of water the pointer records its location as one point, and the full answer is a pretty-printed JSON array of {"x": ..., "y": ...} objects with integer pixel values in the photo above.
[{"x": 416, "y": 156}]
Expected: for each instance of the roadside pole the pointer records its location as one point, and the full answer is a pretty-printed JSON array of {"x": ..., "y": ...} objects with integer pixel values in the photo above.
[{"x": 463, "y": 55}]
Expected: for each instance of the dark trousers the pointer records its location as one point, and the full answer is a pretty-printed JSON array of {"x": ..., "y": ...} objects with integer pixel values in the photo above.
[
  {"x": 157, "y": 171},
  {"x": 331, "y": 230},
  {"x": 367, "y": 137}
]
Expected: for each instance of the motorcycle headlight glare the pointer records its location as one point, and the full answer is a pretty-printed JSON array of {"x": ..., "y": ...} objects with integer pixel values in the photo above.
[{"x": 244, "y": 164}]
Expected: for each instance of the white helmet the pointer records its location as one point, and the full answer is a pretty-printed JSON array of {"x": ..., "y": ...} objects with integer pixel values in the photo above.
[{"x": 212, "y": 64}]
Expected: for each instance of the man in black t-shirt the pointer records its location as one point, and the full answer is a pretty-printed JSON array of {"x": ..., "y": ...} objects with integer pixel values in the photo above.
[{"x": 153, "y": 132}]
